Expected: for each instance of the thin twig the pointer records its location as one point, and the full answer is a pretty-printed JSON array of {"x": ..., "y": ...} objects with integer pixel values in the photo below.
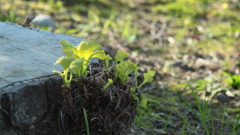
[
  {"x": 4, "y": 111},
  {"x": 160, "y": 32}
]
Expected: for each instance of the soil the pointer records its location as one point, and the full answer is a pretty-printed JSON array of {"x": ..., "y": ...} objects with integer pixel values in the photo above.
[{"x": 111, "y": 111}]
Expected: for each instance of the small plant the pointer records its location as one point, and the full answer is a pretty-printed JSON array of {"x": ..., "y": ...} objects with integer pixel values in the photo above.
[
  {"x": 110, "y": 81},
  {"x": 148, "y": 77},
  {"x": 124, "y": 68},
  {"x": 102, "y": 88},
  {"x": 232, "y": 80},
  {"x": 77, "y": 58}
]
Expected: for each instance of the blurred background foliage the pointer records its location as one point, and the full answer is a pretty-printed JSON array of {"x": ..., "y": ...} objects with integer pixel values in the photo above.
[{"x": 183, "y": 40}]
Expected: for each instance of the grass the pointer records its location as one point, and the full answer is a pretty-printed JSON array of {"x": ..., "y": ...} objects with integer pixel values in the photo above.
[
  {"x": 86, "y": 121},
  {"x": 233, "y": 131},
  {"x": 183, "y": 40},
  {"x": 201, "y": 109}
]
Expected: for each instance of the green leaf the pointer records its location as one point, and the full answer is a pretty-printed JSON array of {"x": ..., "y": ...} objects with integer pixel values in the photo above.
[
  {"x": 135, "y": 98},
  {"x": 132, "y": 90},
  {"x": 148, "y": 77},
  {"x": 143, "y": 103},
  {"x": 106, "y": 61},
  {"x": 71, "y": 31},
  {"x": 99, "y": 54},
  {"x": 120, "y": 73},
  {"x": 130, "y": 67},
  {"x": 87, "y": 44},
  {"x": 67, "y": 47},
  {"x": 77, "y": 66},
  {"x": 228, "y": 79},
  {"x": 136, "y": 74},
  {"x": 90, "y": 53},
  {"x": 65, "y": 62},
  {"x": 84, "y": 54},
  {"x": 110, "y": 81},
  {"x": 120, "y": 56},
  {"x": 107, "y": 57},
  {"x": 124, "y": 68},
  {"x": 66, "y": 81}
]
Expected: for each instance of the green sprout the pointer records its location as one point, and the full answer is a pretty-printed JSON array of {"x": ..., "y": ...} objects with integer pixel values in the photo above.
[
  {"x": 148, "y": 77},
  {"x": 120, "y": 56},
  {"x": 86, "y": 50},
  {"x": 142, "y": 103},
  {"x": 106, "y": 62},
  {"x": 77, "y": 58},
  {"x": 65, "y": 62},
  {"x": 132, "y": 90},
  {"x": 67, "y": 48},
  {"x": 134, "y": 96},
  {"x": 110, "y": 81},
  {"x": 136, "y": 74},
  {"x": 123, "y": 70},
  {"x": 77, "y": 66}
]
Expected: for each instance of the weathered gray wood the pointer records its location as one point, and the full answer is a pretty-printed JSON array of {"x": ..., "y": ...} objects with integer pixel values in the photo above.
[
  {"x": 27, "y": 87},
  {"x": 27, "y": 53}
]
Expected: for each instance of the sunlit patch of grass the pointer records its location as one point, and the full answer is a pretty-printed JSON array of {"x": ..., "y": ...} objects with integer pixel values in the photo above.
[
  {"x": 213, "y": 120},
  {"x": 216, "y": 36},
  {"x": 95, "y": 19},
  {"x": 182, "y": 8},
  {"x": 207, "y": 115},
  {"x": 8, "y": 12}
]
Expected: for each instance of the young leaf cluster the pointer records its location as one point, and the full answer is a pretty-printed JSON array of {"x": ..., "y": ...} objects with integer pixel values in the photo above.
[
  {"x": 124, "y": 68},
  {"x": 77, "y": 59}
]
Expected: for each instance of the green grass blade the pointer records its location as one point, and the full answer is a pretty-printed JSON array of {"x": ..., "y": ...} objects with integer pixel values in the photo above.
[
  {"x": 235, "y": 126},
  {"x": 201, "y": 110},
  {"x": 86, "y": 121}
]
